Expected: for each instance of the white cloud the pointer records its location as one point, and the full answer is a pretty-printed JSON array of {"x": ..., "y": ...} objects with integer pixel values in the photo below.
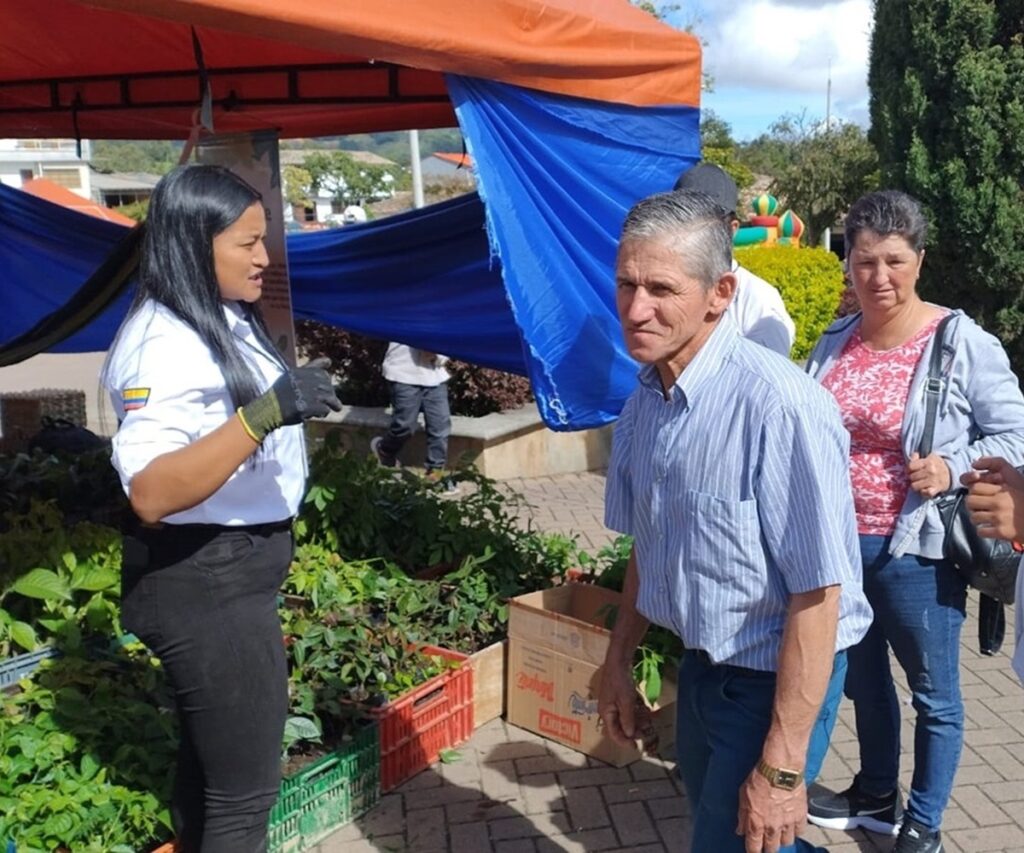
[{"x": 785, "y": 48}]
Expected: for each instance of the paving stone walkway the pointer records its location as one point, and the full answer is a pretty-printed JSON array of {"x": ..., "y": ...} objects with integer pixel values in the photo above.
[{"x": 514, "y": 792}]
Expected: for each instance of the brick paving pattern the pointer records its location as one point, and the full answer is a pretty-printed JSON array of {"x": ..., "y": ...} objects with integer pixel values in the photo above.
[{"x": 514, "y": 792}]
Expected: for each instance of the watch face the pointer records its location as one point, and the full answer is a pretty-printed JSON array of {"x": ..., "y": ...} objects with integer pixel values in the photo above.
[{"x": 787, "y": 779}]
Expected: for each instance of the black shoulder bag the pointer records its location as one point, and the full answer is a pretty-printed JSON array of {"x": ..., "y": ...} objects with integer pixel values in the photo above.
[{"x": 989, "y": 565}]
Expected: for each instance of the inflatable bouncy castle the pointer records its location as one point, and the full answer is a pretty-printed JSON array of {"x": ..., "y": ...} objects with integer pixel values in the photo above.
[{"x": 765, "y": 228}]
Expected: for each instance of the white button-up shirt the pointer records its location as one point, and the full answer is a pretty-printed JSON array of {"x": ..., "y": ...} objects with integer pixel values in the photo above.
[
  {"x": 757, "y": 308},
  {"x": 168, "y": 391},
  {"x": 408, "y": 365}
]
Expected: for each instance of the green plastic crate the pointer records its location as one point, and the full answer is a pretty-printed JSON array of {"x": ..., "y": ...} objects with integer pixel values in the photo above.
[{"x": 327, "y": 794}]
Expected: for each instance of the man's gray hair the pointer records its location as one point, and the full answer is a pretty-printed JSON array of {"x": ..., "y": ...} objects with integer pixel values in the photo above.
[
  {"x": 693, "y": 224},
  {"x": 887, "y": 213}
]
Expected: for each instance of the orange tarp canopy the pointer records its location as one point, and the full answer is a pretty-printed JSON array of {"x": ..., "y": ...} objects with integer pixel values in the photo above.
[
  {"x": 463, "y": 160},
  {"x": 48, "y": 190},
  {"x": 127, "y": 69}
]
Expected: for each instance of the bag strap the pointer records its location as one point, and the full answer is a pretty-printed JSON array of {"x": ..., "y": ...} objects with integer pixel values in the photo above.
[{"x": 933, "y": 387}]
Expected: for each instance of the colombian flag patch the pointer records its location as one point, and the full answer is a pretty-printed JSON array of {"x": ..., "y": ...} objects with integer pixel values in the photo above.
[{"x": 134, "y": 398}]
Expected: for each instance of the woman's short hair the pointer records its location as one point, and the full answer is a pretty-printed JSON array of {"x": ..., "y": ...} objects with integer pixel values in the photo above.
[
  {"x": 887, "y": 213},
  {"x": 693, "y": 224}
]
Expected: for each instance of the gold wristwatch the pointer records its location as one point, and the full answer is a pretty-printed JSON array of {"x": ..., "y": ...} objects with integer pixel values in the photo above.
[{"x": 778, "y": 777}]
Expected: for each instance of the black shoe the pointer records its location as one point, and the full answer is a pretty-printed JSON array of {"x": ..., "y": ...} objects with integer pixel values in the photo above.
[
  {"x": 917, "y": 838},
  {"x": 382, "y": 457},
  {"x": 852, "y": 808}
]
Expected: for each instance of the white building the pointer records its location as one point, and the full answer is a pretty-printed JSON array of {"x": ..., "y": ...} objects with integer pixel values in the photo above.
[
  {"x": 329, "y": 206},
  {"x": 56, "y": 160},
  {"x": 118, "y": 188}
]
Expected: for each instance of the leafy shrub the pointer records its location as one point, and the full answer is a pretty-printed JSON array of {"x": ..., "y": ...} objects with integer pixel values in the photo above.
[
  {"x": 811, "y": 284},
  {"x": 473, "y": 391},
  {"x": 477, "y": 391},
  {"x": 70, "y": 779},
  {"x": 58, "y": 581},
  {"x": 83, "y": 486},
  {"x": 363, "y": 511},
  {"x": 660, "y": 652}
]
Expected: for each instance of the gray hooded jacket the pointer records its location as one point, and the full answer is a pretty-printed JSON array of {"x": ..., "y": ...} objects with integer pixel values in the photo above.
[{"x": 981, "y": 413}]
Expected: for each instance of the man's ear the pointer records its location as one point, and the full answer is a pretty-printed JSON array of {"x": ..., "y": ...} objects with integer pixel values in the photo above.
[{"x": 722, "y": 293}]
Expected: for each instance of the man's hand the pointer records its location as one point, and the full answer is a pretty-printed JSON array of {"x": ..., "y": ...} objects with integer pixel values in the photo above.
[
  {"x": 770, "y": 818},
  {"x": 995, "y": 498},
  {"x": 617, "y": 705},
  {"x": 929, "y": 476}
]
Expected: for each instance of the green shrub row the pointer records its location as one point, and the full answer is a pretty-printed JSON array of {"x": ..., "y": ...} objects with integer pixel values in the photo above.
[{"x": 811, "y": 284}]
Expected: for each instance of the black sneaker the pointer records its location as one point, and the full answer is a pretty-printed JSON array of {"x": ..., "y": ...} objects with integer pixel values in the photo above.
[
  {"x": 917, "y": 838},
  {"x": 852, "y": 808},
  {"x": 382, "y": 458}
]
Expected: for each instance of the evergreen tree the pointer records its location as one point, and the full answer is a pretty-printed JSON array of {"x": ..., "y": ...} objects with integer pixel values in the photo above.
[{"x": 947, "y": 117}]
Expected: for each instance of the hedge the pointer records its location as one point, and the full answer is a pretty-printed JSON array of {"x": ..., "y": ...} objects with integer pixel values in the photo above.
[{"x": 811, "y": 284}]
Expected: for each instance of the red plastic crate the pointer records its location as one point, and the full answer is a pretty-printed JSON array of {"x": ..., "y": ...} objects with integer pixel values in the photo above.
[{"x": 416, "y": 727}]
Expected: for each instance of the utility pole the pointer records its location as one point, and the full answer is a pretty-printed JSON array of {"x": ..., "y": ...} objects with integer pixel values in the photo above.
[
  {"x": 828, "y": 97},
  {"x": 826, "y": 235},
  {"x": 417, "y": 175}
]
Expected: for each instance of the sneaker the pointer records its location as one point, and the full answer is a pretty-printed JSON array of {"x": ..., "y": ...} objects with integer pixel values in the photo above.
[
  {"x": 376, "y": 451},
  {"x": 917, "y": 838},
  {"x": 852, "y": 808},
  {"x": 437, "y": 477}
]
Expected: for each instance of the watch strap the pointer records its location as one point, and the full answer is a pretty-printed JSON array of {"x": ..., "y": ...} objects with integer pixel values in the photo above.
[{"x": 779, "y": 777}]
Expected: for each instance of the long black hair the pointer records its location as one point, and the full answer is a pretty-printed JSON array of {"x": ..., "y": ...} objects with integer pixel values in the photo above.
[{"x": 189, "y": 207}]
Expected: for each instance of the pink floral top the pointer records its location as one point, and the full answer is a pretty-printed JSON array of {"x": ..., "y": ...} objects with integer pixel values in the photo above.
[{"x": 871, "y": 389}]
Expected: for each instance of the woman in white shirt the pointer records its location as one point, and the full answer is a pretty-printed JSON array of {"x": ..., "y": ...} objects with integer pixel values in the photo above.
[{"x": 211, "y": 455}]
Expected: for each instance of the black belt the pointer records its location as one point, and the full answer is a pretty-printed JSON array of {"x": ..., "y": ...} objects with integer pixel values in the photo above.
[{"x": 210, "y": 530}]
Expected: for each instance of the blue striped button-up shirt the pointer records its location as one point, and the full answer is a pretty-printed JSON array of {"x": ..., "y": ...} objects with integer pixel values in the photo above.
[{"x": 737, "y": 491}]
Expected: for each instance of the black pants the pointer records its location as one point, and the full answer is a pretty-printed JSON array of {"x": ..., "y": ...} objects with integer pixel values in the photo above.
[{"x": 203, "y": 598}]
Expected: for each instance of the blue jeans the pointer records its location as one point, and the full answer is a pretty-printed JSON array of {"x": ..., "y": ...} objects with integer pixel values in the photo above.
[
  {"x": 722, "y": 720},
  {"x": 919, "y": 611},
  {"x": 406, "y": 402}
]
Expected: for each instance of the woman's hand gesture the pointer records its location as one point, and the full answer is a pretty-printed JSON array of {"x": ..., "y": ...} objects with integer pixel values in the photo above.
[{"x": 929, "y": 476}]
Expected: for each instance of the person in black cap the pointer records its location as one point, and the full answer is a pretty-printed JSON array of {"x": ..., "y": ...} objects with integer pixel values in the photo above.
[{"x": 757, "y": 308}]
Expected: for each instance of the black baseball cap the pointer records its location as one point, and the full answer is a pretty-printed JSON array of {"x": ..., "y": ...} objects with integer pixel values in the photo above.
[{"x": 712, "y": 180}]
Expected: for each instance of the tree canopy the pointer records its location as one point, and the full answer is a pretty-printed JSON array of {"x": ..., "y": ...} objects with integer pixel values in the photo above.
[
  {"x": 947, "y": 116},
  {"x": 820, "y": 171},
  {"x": 339, "y": 174},
  {"x": 718, "y": 147}
]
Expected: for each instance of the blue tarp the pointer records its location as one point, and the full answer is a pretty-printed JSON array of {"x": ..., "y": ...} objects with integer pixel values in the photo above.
[
  {"x": 531, "y": 294},
  {"x": 423, "y": 277},
  {"x": 46, "y": 254},
  {"x": 558, "y": 175}
]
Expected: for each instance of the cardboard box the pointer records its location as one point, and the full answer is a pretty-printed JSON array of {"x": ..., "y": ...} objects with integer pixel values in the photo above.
[
  {"x": 489, "y": 683},
  {"x": 557, "y": 643}
]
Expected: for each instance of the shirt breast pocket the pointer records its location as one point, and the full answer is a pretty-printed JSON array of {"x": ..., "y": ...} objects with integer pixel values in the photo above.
[{"x": 724, "y": 559}]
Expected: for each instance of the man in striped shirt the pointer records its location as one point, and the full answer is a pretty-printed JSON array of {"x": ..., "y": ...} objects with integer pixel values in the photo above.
[{"x": 730, "y": 469}]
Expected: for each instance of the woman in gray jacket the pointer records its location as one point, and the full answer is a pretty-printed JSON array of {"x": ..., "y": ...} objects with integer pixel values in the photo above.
[{"x": 876, "y": 365}]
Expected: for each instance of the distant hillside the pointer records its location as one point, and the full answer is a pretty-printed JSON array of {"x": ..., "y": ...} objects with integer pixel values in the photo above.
[
  {"x": 157, "y": 157},
  {"x": 394, "y": 145}
]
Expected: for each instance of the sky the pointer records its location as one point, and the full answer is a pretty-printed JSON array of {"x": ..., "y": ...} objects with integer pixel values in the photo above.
[{"x": 768, "y": 58}]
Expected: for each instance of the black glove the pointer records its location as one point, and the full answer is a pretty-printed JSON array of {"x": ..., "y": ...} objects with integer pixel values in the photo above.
[{"x": 300, "y": 394}]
